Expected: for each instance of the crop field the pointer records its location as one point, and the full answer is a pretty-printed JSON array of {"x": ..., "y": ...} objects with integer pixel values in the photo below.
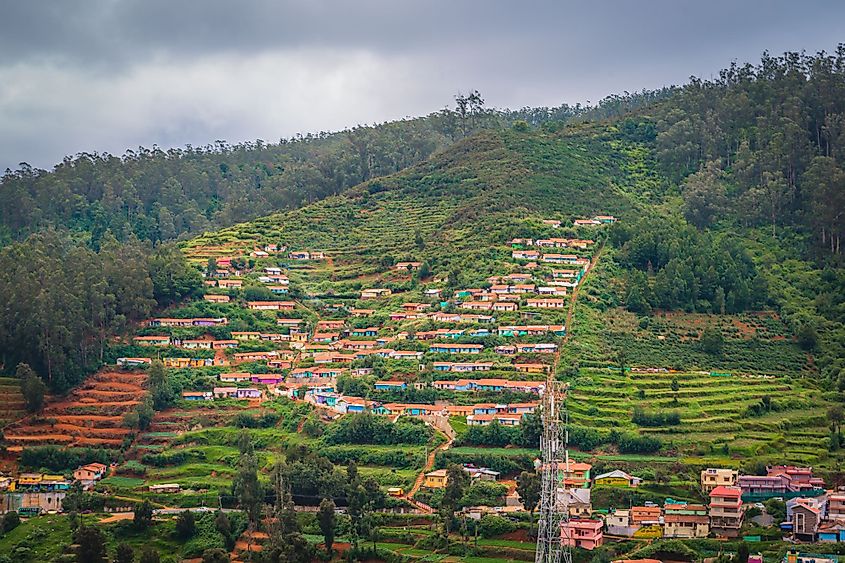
[
  {"x": 11, "y": 401},
  {"x": 92, "y": 415},
  {"x": 716, "y": 412}
]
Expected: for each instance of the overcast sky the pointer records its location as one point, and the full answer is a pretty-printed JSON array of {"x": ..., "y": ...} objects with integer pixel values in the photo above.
[{"x": 106, "y": 75}]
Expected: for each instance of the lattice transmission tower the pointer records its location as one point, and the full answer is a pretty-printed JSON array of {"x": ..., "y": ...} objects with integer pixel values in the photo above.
[{"x": 554, "y": 509}]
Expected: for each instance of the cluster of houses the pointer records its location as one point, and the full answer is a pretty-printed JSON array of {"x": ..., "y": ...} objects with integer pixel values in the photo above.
[
  {"x": 30, "y": 494},
  {"x": 813, "y": 514}
]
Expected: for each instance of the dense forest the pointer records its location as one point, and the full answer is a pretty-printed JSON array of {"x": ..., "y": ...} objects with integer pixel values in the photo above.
[
  {"x": 690, "y": 270},
  {"x": 158, "y": 195},
  {"x": 761, "y": 145},
  {"x": 60, "y": 299}
]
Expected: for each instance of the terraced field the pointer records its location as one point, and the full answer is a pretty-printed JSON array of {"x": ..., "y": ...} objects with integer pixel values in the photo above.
[
  {"x": 92, "y": 415},
  {"x": 11, "y": 401},
  {"x": 714, "y": 412}
]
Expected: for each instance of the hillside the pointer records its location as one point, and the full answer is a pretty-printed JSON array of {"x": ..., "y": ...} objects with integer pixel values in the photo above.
[
  {"x": 480, "y": 193},
  {"x": 678, "y": 279}
]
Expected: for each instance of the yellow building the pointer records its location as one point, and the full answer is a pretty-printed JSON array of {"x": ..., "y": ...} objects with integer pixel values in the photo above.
[
  {"x": 712, "y": 478},
  {"x": 435, "y": 479},
  {"x": 617, "y": 478}
]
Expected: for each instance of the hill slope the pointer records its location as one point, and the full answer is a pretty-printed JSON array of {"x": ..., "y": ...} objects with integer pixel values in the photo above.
[{"x": 472, "y": 196}]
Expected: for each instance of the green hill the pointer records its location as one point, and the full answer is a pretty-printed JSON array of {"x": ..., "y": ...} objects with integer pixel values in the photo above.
[{"x": 476, "y": 195}]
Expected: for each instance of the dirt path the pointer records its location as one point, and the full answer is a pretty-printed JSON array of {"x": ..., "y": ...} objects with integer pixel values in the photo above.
[
  {"x": 574, "y": 300},
  {"x": 429, "y": 464}
]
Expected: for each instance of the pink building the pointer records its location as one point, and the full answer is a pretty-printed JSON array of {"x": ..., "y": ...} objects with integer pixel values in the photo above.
[{"x": 582, "y": 532}]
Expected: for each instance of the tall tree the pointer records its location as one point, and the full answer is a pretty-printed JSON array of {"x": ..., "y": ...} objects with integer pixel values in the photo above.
[{"x": 327, "y": 520}]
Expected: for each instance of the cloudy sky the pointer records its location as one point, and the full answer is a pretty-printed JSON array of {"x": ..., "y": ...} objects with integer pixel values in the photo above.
[{"x": 104, "y": 75}]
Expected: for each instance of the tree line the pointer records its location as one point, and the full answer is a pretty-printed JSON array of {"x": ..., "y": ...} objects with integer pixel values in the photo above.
[
  {"x": 60, "y": 299},
  {"x": 159, "y": 195},
  {"x": 761, "y": 144}
]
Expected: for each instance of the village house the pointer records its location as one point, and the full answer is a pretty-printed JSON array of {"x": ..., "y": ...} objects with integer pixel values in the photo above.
[
  {"x": 617, "y": 478},
  {"x": 133, "y": 361},
  {"x": 375, "y": 293},
  {"x": 361, "y": 312},
  {"x": 405, "y": 354},
  {"x": 714, "y": 477},
  {"x": 586, "y": 222},
  {"x": 525, "y": 255},
  {"x": 327, "y": 325},
  {"x": 435, "y": 479},
  {"x": 476, "y": 305},
  {"x": 410, "y": 409},
  {"x": 87, "y": 475},
  {"x": 533, "y": 368},
  {"x": 681, "y": 520},
  {"x": 235, "y": 377},
  {"x": 490, "y": 385},
  {"x": 325, "y": 336},
  {"x": 407, "y": 266},
  {"x": 505, "y": 306},
  {"x": 561, "y": 259},
  {"x": 726, "y": 511},
  {"x": 520, "y": 242},
  {"x": 505, "y": 419},
  {"x": 806, "y": 519},
  {"x": 580, "y": 532},
  {"x": 618, "y": 523},
  {"x": 162, "y": 340},
  {"x": 458, "y": 410},
  {"x": 364, "y": 332},
  {"x": 278, "y": 289},
  {"x": 266, "y": 378},
  {"x": 197, "y": 395},
  {"x": 290, "y": 323},
  {"x": 480, "y": 473},
  {"x": 800, "y": 478},
  {"x": 215, "y": 298},
  {"x": 389, "y": 385},
  {"x": 531, "y": 330},
  {"x": 167, "y": 488},
  {"x": 575, "y": 474},
  {"x": 553, "y": 223},
  {"x": 442, "y": 317},
  {"x": 836, "y": 506},
  {"x": 271, "y": 305},
  {"x": 456, "y": 348},
  {"x": 536, "y": 348},
  {"x": 462, "y": 366},
  {"x": 187, "y": 362},
  {"x": 33, "y": 493},
  {"x": 230, "y": 283},
  {"x": 239, "y": 335},
  {"x": 257, "y": 356},
  {"x": 648, "y": 515},
  {"x": 225, "y": 392},
  {"x": 605, "y": 218},
  {"x": 577, "y": 500}
]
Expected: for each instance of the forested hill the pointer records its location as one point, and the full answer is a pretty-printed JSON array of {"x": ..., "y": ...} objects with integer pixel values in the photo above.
[
  {"x": 744, "y": 173},
  {"x": 161, "y": 195}
]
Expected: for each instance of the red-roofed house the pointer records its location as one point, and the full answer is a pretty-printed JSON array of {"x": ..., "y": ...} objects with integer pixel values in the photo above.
[{"x": 726, "y": 510}]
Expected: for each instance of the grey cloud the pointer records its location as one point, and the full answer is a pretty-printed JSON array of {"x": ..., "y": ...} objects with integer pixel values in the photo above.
[{"x": 109, "y": 74}]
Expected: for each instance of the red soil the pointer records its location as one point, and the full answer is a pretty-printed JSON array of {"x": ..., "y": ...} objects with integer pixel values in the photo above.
[{"x": 61, "y": 422}]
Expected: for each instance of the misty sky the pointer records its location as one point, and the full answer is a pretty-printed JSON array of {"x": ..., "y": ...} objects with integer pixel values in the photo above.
[{"x": 105, "y": 75}]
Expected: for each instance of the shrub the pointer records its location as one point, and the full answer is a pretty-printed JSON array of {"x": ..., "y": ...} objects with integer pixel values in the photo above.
[{"x": 492, "y": 526}]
